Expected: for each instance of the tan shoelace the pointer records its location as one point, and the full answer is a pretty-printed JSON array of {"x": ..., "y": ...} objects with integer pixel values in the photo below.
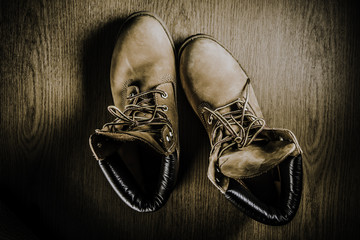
[
  {"x": 242, "y": 118},
  {"x": 134, "y": 116}
]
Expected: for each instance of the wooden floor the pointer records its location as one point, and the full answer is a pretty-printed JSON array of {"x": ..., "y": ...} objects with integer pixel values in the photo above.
[{"x": 303, "y": 59}]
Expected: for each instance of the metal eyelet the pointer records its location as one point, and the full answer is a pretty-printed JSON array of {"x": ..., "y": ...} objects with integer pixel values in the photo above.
[
  {"x": 170, "y": 134},
  {"x": 210, "y": 119},
  {"x": 165, "y": 108},
  {"x": 164, "y": 95},
  {"x": 167, "y": 138}
]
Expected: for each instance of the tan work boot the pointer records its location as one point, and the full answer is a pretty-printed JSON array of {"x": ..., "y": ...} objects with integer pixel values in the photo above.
[
  {"x": 259, "y": 169},
  {"x": 139, "y": 151}
]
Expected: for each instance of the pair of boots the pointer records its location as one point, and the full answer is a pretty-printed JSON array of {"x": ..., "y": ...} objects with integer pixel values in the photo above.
[{"x": 257, "y": 168}]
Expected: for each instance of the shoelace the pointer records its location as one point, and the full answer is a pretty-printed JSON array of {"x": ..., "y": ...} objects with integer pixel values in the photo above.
[
  {"x": 140, "y": 103},
  {"x": 243, "y": 119}
]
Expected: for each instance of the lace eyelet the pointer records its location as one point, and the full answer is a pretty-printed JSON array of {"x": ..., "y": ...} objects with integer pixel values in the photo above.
[
  {"x": 167, "y": 138},
  {"x": 164, "y": 95},
  {"x": 165, "y": 108}
]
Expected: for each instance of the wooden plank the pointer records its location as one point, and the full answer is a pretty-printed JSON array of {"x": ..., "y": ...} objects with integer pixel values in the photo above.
[{"x": 55, "y": 58}]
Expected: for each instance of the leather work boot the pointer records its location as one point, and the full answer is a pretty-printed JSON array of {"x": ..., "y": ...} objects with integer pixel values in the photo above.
[
  {"x": 257, "y": 168},
  {"x": 139, "y": 150}
]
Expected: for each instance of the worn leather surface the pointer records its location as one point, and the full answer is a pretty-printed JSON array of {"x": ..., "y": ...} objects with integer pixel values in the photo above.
[
  {"x": 143, "y": 60},
  {"x": 143, "y": 57},
  {"x": 260, "y": 156},
  {"x": 210, "y": 75},
  {"x": 254, "y": 159},
  {"x": 212, "y": 78}
]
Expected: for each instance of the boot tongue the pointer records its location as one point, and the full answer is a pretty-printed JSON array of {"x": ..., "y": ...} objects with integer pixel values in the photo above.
[{"x": 254, "y": 159}]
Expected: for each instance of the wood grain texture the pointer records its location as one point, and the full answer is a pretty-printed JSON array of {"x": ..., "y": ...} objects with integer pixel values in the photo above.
[{"x": 302, "y": 57}]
